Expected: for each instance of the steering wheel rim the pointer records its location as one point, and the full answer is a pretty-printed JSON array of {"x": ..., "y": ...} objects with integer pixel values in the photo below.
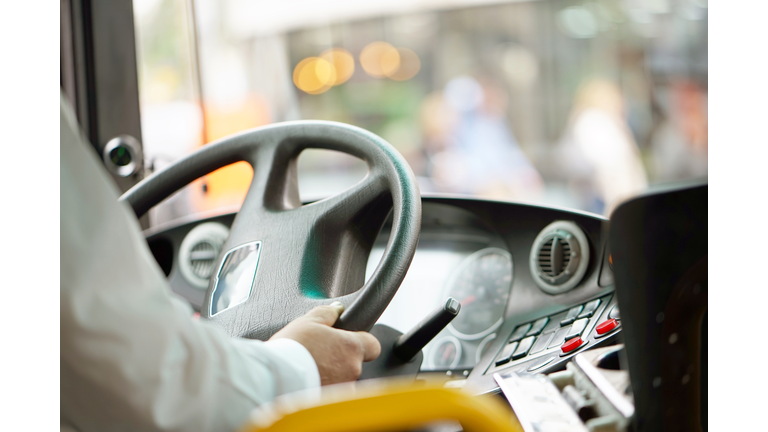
[{"x": 311, "y": 254}]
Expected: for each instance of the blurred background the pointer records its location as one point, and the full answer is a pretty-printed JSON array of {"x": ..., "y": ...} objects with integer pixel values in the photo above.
[{"x": 576, "y": 104}]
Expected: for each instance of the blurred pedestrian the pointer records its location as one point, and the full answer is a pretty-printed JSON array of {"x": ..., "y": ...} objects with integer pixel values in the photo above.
[
  {"x": 598, "y": 152},
  {"x": 478, "y": 153},
  {"x": 679, "y": 146}
]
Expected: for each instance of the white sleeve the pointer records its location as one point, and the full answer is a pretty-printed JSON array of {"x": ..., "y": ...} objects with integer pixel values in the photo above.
[{"x": 132, "y": 358}]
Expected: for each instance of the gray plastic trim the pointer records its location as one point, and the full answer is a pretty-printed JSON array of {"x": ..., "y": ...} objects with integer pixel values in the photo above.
[
  {"x": 618, "y": 401},
  {"x": 483, "y": 344}
]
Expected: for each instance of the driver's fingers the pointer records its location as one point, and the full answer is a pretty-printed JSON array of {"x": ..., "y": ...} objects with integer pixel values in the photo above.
[
  {"x": 371, "y": 345},
  {"x": 327, "y": 315}
]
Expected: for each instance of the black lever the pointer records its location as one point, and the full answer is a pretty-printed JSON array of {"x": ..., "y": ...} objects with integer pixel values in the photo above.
[
  {"x": 409, "y": 344},
  {"x": 401, "y": 353}
]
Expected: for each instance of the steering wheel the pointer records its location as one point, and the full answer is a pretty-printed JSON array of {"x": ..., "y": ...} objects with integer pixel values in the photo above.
[{"x": 283, "y": 258}]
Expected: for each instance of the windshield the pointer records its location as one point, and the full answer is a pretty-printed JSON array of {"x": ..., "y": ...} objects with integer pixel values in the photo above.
[{"x": 577, "y": 104}]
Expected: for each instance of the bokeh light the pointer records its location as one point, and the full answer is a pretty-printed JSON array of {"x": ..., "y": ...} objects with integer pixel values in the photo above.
[
  {"x": 380, "y": 59},
  {"x": 390, "y": 61},
  {"x": 578, "y": 22},
  {"x": 409, "y": 65},
  {"x": 343, "y": 63},
  {"x": 314, "y": 75},
  {"x": 520, "y": 65}
]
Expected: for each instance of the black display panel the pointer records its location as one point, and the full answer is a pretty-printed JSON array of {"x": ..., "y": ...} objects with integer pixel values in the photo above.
[{"x": 659, "y": 249}]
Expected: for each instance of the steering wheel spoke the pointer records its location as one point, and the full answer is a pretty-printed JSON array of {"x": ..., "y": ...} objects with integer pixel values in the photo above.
[{"x": 356, "y": 203}]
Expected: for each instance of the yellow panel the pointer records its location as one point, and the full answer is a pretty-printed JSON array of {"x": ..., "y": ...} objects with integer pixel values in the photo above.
[{"x": 386, "y": 406}]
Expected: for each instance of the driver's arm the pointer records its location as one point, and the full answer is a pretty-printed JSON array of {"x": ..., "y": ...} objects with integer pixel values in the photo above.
[{"x": 131, "y": 356}]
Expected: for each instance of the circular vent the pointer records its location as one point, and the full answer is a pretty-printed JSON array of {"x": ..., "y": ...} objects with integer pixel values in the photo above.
[
  {"x": 199, "y": 251},
  {"x": 203, "y": 257},
  {"x": 554, "y": 256},
  {"x": 559, "y": 257}
]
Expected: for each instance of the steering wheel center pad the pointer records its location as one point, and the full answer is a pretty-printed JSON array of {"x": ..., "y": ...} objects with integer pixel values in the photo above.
[{"x": 310, "y": 254}]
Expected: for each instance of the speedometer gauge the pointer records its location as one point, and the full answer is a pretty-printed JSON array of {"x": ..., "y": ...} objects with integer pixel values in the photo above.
[{"x": 481, "y": 283}]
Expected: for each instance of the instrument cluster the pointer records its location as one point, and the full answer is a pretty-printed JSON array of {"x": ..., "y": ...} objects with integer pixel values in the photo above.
[{"x": 505, "y": 263}]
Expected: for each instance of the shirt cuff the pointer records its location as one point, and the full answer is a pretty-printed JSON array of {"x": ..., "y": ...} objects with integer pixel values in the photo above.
[{"x": 297, "y": 358}]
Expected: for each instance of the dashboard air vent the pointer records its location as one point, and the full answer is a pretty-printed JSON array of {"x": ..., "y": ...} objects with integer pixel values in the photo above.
[
  {"x": 199, "y": 251},
  {"x": 559, "y": 257},
  {"x": 203, "y": 257},
  {"x": 554, "y": 256}
]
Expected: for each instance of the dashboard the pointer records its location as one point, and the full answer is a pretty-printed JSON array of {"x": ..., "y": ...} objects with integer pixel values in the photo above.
[{"x": 529, "y": 279}]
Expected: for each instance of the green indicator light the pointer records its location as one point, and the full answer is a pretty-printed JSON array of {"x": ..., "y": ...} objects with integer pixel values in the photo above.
[{"x": 120, "y": 157}]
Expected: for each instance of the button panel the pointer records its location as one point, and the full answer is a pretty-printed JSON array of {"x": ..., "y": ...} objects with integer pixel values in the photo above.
[
  {"x": 542, "y": 342},
  {"x": 559, "y": 338},
  {"x": 554, "y": 322},
  {"x": 538, "y": 326},
  {"x": 523, "y": 348},
  {"x": 577, "y": 328},
  {"x": 571, "y": 316},
  {"x": 520, "y": 332},
  {"x": 555, "y": 332},
  {"x": 506, "y": 354},
  {"x": 589, "y": 309}
]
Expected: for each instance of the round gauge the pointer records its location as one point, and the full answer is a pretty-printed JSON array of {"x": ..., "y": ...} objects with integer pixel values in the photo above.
[
  {"x": 483, "y": 347},
  {"x": 446, "y": 354},
  {"x": 481, "y": 283}
]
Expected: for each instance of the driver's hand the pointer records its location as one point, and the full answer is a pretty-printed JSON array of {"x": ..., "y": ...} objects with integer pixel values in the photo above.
[{"x": 339, "y": 354}]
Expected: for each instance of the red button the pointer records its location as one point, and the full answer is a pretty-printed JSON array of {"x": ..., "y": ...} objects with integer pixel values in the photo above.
[
  {"x": 606, "y": 326},
  {"x": 572, "y": 344}
]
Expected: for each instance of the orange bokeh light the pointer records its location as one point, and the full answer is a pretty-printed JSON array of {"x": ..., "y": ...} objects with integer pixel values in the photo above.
[
  {"x": 314, "y": 75},
  {"x": 380, "y": 60},
  {"x": 409, "y": 65},
  {"x": 343, "y": 63}
]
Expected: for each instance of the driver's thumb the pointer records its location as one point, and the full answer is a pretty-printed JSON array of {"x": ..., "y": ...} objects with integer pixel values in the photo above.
[{"x": 326, "y": 314}]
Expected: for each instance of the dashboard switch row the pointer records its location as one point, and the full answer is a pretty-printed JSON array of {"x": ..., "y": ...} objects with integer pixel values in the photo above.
[
  {"x": 542, "y": 342},
  {"x": 554, "y": 331},
  {"x": 523, "y": 348},
  {"x": 506, "y": 354},
  {"x": 589, "y": 309},
  {"x": 571, "y": 316},
  {"x": 538, "y": 326},
  {"x": 577, "y": 328},
  {"x": 559, "y": 338},
  {"x": 519, "y": 332},
  {"x": 515, "y": 350}
]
